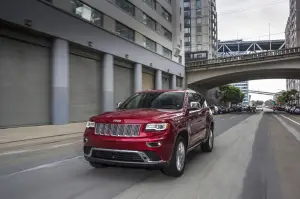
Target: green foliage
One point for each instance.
(231, 94)
(257, 103)
(287, 97)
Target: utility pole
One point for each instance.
(270, 36)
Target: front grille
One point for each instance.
(122, 130)
(117, 156)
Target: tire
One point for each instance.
(172, 169)
(208, 145)
(97, 165)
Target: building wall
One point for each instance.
(244, 87)
(85, 58)
(200, 29)
(292, 36)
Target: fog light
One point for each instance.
(85, 140)
(153, 144)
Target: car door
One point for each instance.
(193, 119)
(202, 115)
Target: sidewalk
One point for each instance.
(35, 132)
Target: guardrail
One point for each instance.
(248, 57)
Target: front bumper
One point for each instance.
(129, 158)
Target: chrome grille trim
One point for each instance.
(121, 130)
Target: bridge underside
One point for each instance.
(246, 75)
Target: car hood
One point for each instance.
(137, 115)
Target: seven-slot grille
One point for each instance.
(125, 130)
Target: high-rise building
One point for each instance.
(200, 29)
(70, 59)
(244, 87)
(292, 37)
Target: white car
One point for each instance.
(259, 108)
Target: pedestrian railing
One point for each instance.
(241, 58)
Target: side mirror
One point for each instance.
(119, 104)
(194, 105)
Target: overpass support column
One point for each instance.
(158, 80)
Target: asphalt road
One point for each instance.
(256, 156)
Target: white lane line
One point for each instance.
(232, 117)
(289, 119)
(32, 150)
(53, 164)
(289, 127)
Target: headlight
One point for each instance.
(90, 124)
(157, 126)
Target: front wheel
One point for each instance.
(178, 159)
(208, 145)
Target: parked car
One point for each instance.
(292, 109)
(214, 110)
(297, 110)
(223, 109)
(151, 129)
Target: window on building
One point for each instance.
(167, 53)
(149, 44)
(187, 30)
(187, 48)
(124, 31)
(161, 30)
(198, 29)
(145, 19)
(199, 39)
(166, 14)
(199, 20)
(187, 4)
(198, 12)
(187, 21)
(126, 6)
(198, 4)
(86, 12)
(187, 13)
(187, 39)
(151, 3)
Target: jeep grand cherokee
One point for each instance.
(151, 129)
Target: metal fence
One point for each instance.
(241, 58)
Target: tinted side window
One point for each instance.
(193, 97)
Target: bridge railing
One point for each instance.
(268, 54)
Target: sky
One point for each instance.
(252, 20)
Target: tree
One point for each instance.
(257, 102)
(287, 97)
(231, 94)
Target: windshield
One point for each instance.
(157, 100)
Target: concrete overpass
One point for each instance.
(261, 92)
(280, 64)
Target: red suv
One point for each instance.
(154, 128)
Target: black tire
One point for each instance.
(206, 146)
(171, 169)
(97, 165)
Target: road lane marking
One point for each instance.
(289, 119)
(53, 164)
(232, 117)
(33, 150)
(288, 127)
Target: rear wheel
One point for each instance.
(208, 145)
(178, 159)
(97, 165)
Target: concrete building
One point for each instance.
(200, 29)
(292, 36)
(63, 61)
(244, 87)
